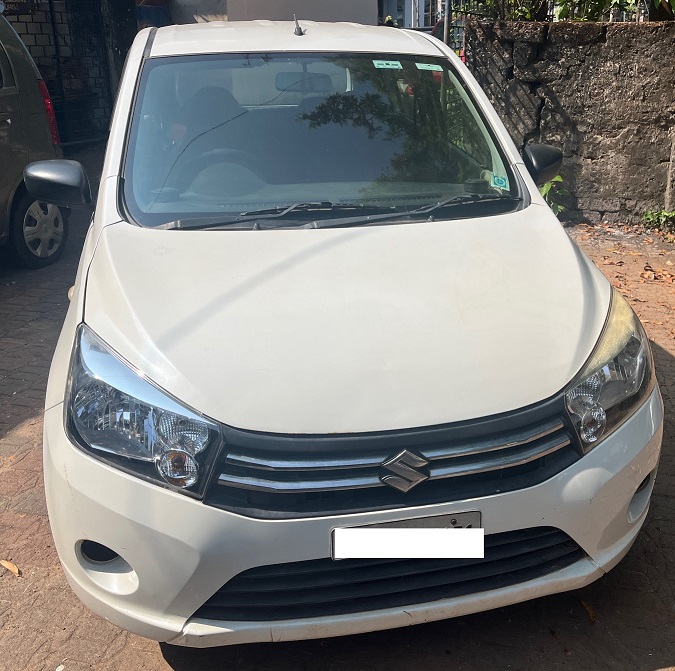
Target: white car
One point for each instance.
(321, 292)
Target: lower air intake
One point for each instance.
(325, 587)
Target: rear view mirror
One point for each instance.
(542, 162)
(304, 82)
(59, 181)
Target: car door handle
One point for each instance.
(6, 118)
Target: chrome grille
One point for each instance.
(314, 473)
(270, 475)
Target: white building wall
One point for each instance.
(414, 13)
(191, 11)
(196, 11)
(359, 11)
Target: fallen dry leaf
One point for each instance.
(589, 610)
(10, 567)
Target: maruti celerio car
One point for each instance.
(321, 292)
(35, 231)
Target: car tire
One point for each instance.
(38, 232)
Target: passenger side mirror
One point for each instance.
(58, 181)
(542, 162)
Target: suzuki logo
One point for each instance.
(405, 466)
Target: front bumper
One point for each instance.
(176, 552)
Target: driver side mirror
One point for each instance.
(58, 181)
(542, 162)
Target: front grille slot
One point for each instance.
(325, 587)
(276, 476)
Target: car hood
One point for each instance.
(351, 330)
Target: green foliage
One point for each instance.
(554, 194)
(660, 220)
(591, 10)
(573, 10)
(514, 10)
(437, 143)
(663, 10)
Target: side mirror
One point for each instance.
(542, 162)
(58, 181)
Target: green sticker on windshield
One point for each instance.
(388, 65)
(429, 66)
(500, 182)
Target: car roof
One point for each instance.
(274, 36)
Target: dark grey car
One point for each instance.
(35, 231)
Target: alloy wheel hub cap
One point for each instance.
(43, 229)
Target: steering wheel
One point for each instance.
(187, 170)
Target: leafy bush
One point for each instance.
(660, 220)
(554, 194)
(511, 10)
(591, 10)
(543, 10)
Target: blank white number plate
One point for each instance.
(457, 536)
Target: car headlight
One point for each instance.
(113, 412)
(615, 380)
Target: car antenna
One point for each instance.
(298, 30)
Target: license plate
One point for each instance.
(457, 536)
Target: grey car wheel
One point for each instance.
(39, 232)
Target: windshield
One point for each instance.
(307, 136)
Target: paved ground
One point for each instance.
(624, 621)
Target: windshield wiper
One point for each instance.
(260, 215)
(283, 210)
(243, 220)
(455, 201)
(466, 200)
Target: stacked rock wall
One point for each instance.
(602, 92)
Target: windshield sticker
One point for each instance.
(499, 182)
(429, 66)
(388, 65)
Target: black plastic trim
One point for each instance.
(121, 202)
(149, 43)
(323, 587)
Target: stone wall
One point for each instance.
(603, 93)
